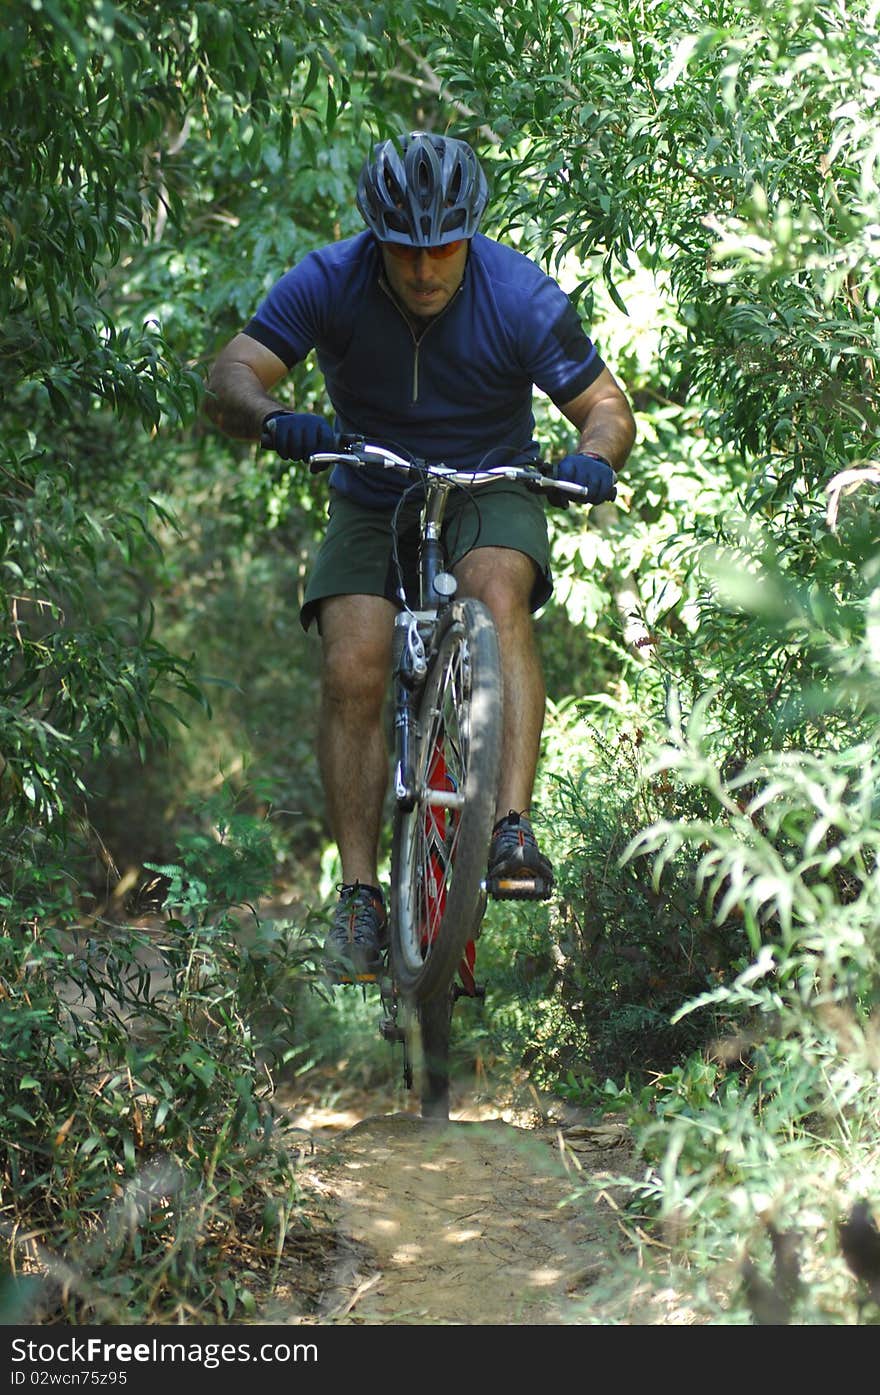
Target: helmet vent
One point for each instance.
(453, 220)
(396, 222)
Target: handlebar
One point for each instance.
(354, 450)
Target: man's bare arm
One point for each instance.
(604, 418)
(239, 387)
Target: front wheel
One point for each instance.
(441, 845)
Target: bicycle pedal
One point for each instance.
(459, 991)
(340, 979)
(519, 888)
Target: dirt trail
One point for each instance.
(466, 1222)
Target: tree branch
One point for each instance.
(430, 82)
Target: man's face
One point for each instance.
(424, 285)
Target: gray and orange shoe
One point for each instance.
(355, 946)
(518, 870)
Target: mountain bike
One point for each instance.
(447, 716)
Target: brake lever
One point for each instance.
(538, 469)
(565, 492)
(544, 470)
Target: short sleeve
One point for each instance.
(289, 320)
(556, 352)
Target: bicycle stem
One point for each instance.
(431, 560)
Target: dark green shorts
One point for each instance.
(355, 557)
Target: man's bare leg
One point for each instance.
(356, 633)
(502, 579)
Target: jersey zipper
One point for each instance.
(417, 342)
(416, 338)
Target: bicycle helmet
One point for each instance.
(422, 190)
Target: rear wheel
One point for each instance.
(429, 1030)
(440, 846)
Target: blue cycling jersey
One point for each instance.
(459, 391)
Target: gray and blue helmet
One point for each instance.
(422, 190)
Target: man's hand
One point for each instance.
(297, 435)
(591, 472)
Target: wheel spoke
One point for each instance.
(440, 828)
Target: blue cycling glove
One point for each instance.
(591, 472)
(297, 435)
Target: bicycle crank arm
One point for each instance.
(518, 888)
(391, 1031)
(444, 799)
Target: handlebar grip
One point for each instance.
(267, 442)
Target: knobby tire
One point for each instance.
(439, 854)
(434, 1019)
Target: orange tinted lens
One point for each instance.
(404, 253)
(449, 249)
(401, 251)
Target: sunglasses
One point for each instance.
(404, 253)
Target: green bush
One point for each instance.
(140, 1138)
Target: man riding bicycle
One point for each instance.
(431, 337)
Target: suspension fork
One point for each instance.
(409, 658)
(409, 667)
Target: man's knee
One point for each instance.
(355, 651)
(354, 672)
(502, 579)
